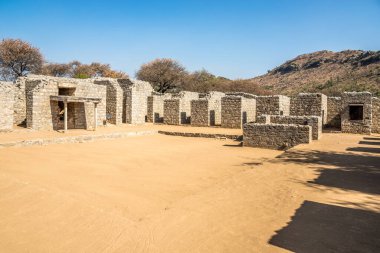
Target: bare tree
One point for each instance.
(163, 74)
(56, 69)
(18, 58)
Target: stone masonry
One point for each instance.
(361, 101)
(275, 136)
(20, 102)
(375, 115)
(237, 110)
(214, 106)
(309, 104)
(44, 114)
(185, 98)
(114, 103)
(172, 111)
(314, 122)
(136, 96)
(200, 112)
(273, 105)
(155, 105)
(6, 106)
(334, 107)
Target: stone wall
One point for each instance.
(273, 105)
(375, 115)
(241, 94)
(44, 114)
(237, 110)
(309, 104)
(200, 112)
(185, 98)
(136, 95)
(263, 119)
(172, 111)
(114, 103)
(314, 122)
(356, 126)
(275, 136)
(334, 107)
(211, 117)
(7, 91)
(155, 109)
(19, 102)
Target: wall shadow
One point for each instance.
(365, 149)
(370, 142)
(317, 228)
(351, 171)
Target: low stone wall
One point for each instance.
(375, 115)
(6, 106)
(313, 121)
(273, 105)
(263, 119)
(200, 113)
(172, 110)
(356, 126)
(275, 136)
(334, 108)
(237, 111)
(202, 135)
(156, 107)
(309, 104)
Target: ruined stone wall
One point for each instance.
(263, 119)
(185, 98)
(44, 114)
(314, 122)
(7, 91)
(19, 102)
(237, 110)
(241, 94)
(172, 110)
(200, 112)
(356, 126)
(275, 136)
(309, 104)
(375, 115)
(273, 105)
(114, 102)
(136, 94)
(334, 107)
(155, 110)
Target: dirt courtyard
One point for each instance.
(175, 194)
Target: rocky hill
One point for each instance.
(325, 71)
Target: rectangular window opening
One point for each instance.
(356, 112)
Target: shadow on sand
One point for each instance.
(317, 228)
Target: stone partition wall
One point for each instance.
(314, 122)
(19, 117)
(185, 98)
(156, 107)
(237, 110)
(114, 103)
(136, 95)
(7, 91)
(334, 107)
(172, 111)
(275, 136)
(263, 119)
(376, 115)
(309, 104)
(44, 114)
(273, 105)
(200, 112)
(356, 100)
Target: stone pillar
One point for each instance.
(65, 116)
(95, 116)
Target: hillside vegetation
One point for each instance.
(326, 72)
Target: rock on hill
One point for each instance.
(325, 71)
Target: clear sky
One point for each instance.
(235, 39)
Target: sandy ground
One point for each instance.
(21, 133)
(174, 194)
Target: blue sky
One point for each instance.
(235, 39)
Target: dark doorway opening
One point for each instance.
(356, 112)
